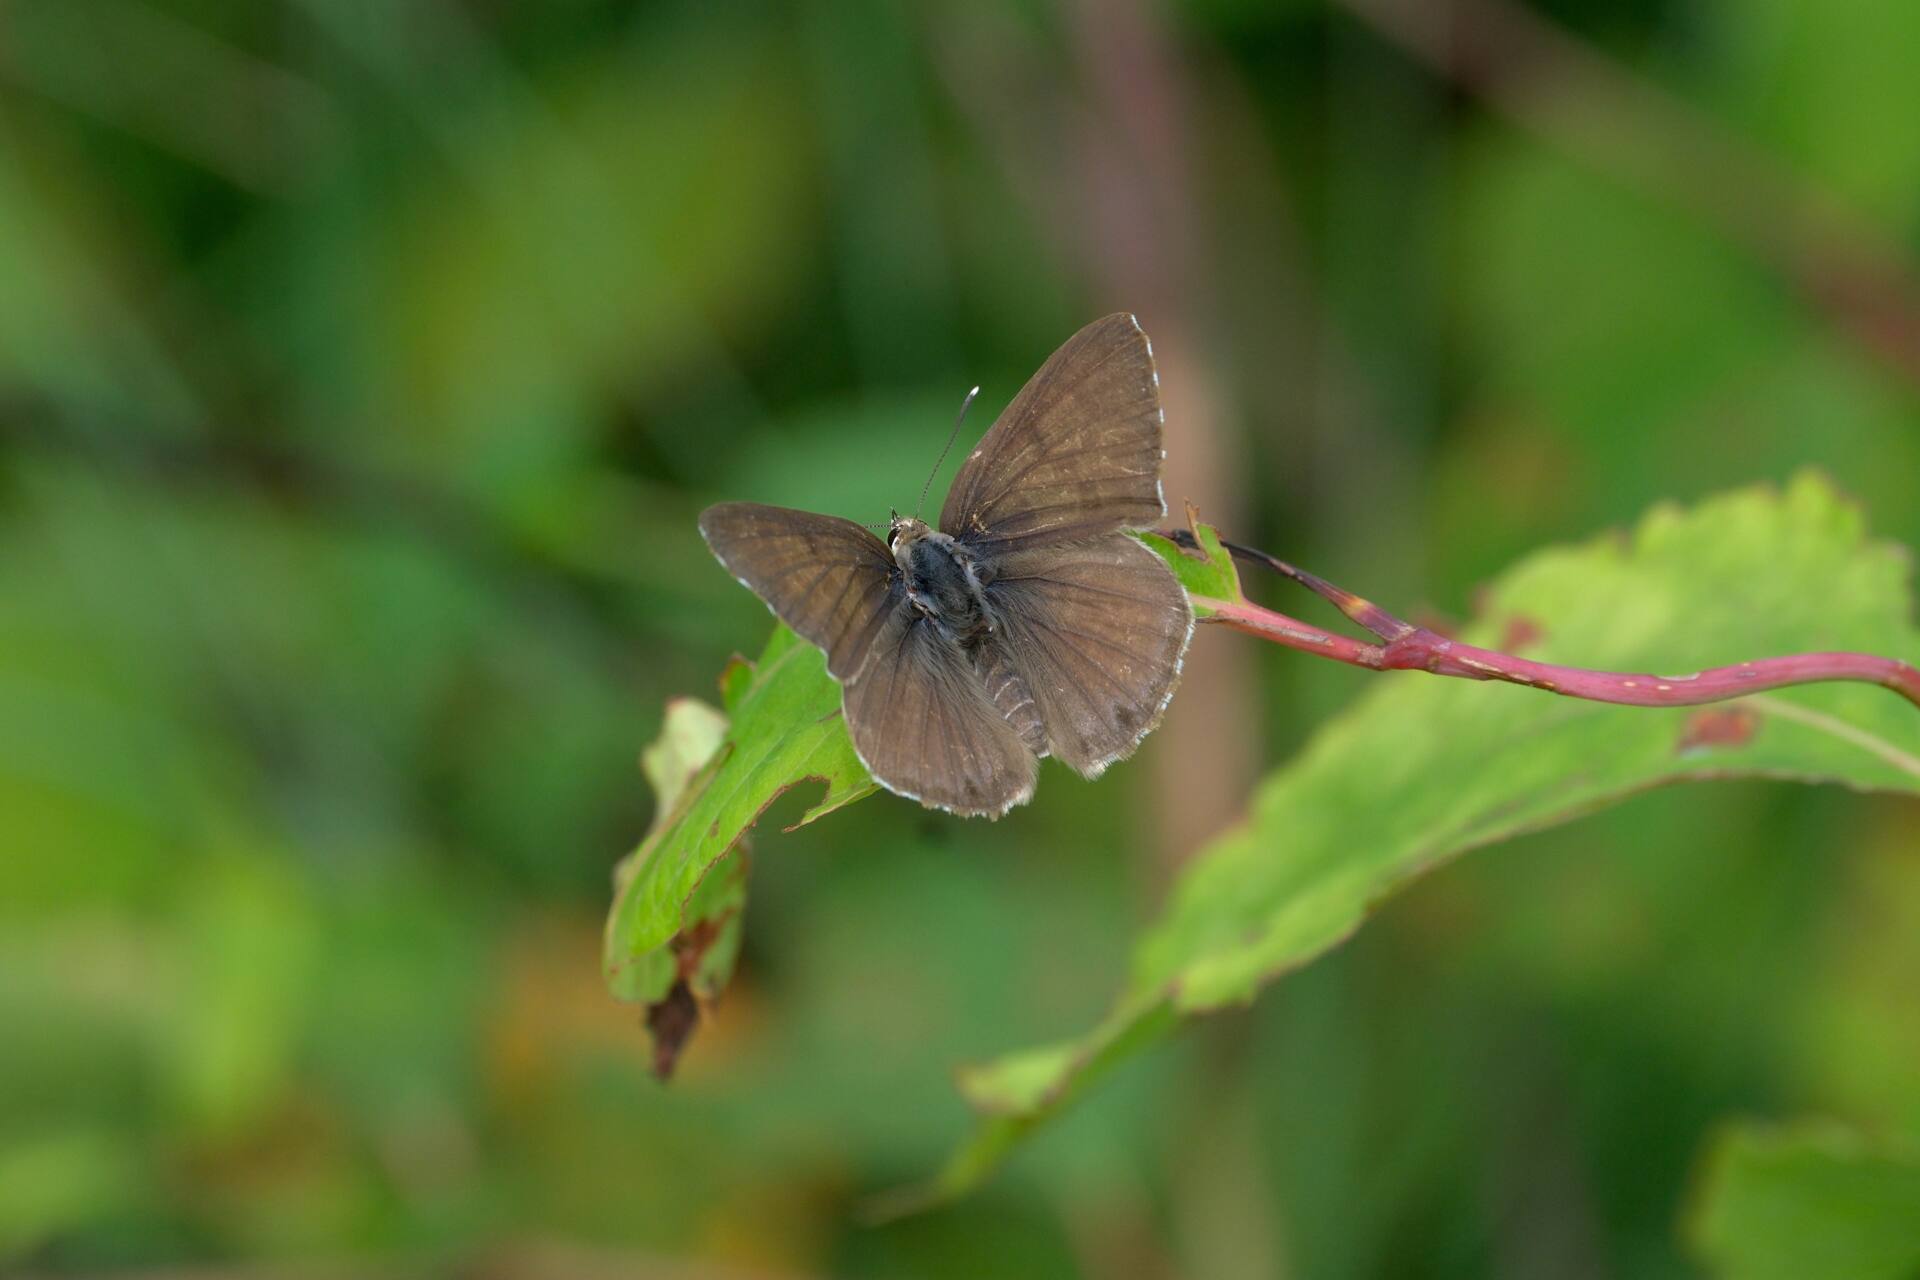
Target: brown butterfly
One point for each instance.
(1028, 623)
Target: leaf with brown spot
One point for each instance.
(680, 898)
(1710, 727)
(671, 1022)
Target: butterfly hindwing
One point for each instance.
(1097, 632)
(1075, 455)
(923, 725)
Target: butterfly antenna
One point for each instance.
(948, 448)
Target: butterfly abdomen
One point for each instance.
(1011, 697)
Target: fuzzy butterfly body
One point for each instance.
(1028, 623)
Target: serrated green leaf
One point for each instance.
(1423, 769)
(679, 896)
(1812, 1200)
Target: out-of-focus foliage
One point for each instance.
(1816, 1202)
(363, 368)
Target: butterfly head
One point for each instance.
(911, 528)
(904, 533)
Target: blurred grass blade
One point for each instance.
(1421, 770)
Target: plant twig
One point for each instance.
(1406, 647)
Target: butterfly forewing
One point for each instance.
(1097, 631)
(923, 725)
(1076, 454)
(827, 578)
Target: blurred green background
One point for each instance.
(364, 365)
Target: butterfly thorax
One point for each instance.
(943, 581)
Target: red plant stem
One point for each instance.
(1406, 647)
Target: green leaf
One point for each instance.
(675, 928)
(1423, 769)
(1812, 1200)
(1207, 573)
